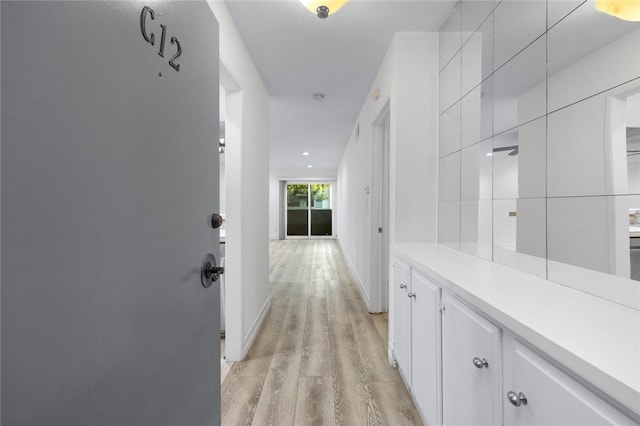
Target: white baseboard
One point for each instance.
(363, 293)
(255, 328)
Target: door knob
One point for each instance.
(517, 399)
(210, 272)
(480, 363)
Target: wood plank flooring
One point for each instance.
(320, 357)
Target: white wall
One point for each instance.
(407, 83)
(247, 172)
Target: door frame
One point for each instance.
(379, 213)
(233, 300)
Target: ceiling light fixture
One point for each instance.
(309, 166)
(323, 8)
(628, 10)
(305, 153)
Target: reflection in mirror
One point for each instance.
(505, 157)
(616, 218)
(477, 114)
(566, 104)
(475, 13)
(576, 144)
(449, 223)
(590, 52)
(516, 25)
(557, 10)
(450, 130)
(519, 223)
(476, 228)
(632, 133)
(449, 205)
(531, 238)
(605, 259)
(477, 171)
(450, 83)
(596, 248)
(449, 177)
(519, 88)
(532, 163)
(450, 36)
(593, 84)
(505, 192)
(476, 220)
(477, 56)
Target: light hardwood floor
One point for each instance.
(320, 357)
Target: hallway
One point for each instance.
(320, 357)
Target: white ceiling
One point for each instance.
(298, 54)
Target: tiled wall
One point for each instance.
(533, 168)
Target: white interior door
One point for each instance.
(109, 170)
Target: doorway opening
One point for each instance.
(309, 209)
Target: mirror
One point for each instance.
(450, 130)
(544, 111)
(449, 200)
(450, 37)
(476, 202)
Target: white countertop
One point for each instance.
(597, 339)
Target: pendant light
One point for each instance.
(324, 8)
(628, 10)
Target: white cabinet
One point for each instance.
(401, 321)
(416, 335)
(463, 368)
(425, 348)
(471, 367)
(537, 393)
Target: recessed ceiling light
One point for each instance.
(489, 154)
(305, 153)
(309, 166)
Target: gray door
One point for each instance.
(109, 169)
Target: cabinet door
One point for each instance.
(425, 349)
(471, 367)
(547, 396)
(401, 316)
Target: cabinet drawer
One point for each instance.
(547, 396)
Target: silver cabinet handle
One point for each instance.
(403, 286)
(517, 399)
(480, 363)
(411, 295)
